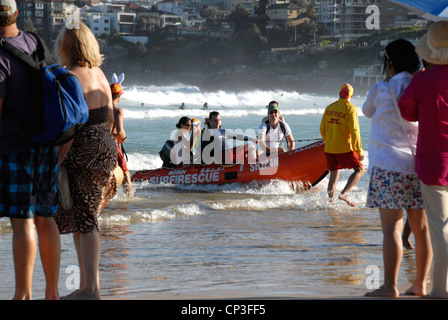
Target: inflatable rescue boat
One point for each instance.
(306, 165)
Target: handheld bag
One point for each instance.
(60, 112)
(397, 109)
(166, 150)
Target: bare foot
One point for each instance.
(70, 295)
(415, 291)
(383, 292)
(407, 244)
(345, 199)
(82, 295)
(430, 296)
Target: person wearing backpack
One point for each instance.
(272, 132)
(91, 158)
(26, 167)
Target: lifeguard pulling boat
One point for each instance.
(306, 165)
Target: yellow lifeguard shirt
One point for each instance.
(340, 128)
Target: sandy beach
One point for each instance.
(208, 243)
(330, 293)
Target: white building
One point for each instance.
(124, 22)
(345, 19)
(110, 18)
(99, 23)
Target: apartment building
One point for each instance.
(282, 11)
(346, 19)
(187, 10)
(45, 17)
(394, 15)
(99, 23)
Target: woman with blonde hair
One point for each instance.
(89, 158)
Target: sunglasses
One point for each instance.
(273, 111)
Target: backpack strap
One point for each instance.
(268, 127)
(17, 53)
(282, 127)
(34, 63)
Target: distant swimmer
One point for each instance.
(205, 106)
(182, 107)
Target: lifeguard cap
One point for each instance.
(116, 88)
(346, 91)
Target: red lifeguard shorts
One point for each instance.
(121, 160)
(348, 160)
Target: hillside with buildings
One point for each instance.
(232, 43)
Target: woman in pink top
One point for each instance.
(426, 101)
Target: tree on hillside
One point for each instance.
(210, 14)
(240, 17)
(277, 37)
(137, 50)
(304, 5)
(260, 7)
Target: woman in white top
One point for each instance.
(394, 185)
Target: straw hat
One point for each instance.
(433, 46)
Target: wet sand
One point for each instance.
(330, 293)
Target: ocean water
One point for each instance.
(247, 240)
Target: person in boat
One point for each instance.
(273, 131)
(179, 149)
(216, 137)
(266, 118)
(119, 132)
(340, 130)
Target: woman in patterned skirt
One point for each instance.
(394, 185)
(91, 156)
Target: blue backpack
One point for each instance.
(60, 108)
